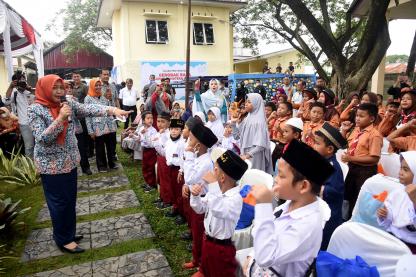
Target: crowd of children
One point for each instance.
(299, 149)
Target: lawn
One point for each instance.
(166, 231)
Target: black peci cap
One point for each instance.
(204, 135)
(232, 165)
(308, 162)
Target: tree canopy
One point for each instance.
(402, 58)
(324, 32)
(79, 27)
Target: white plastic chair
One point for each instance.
(375, 185)
(257, 177)
(378, 248)
(391, 164)
(344, 166)
(406, 267)
(242, 238)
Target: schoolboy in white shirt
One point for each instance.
(286, 242)
(222, 207)
(201, 139)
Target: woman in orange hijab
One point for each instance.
(56, 154)
(101, 129)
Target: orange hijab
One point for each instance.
(91, 90)
(43, 92)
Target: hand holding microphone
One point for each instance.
(65, 112)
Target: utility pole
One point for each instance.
(188, 55)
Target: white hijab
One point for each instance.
(410, 158)
(210, 99)
(254, 129)
(216, 127)
(201, 115)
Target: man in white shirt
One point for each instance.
(287, 241)
(297, 97)
(222, 207)
(19, 95)
(129, 97)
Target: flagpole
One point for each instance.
(188, 56)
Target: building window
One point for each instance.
(157, 32)
(203, 34)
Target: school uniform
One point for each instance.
(286, 242)
(149, 155)
(309, 129)
(186, 162)
(230, 143)
(404, 143)
(278, 139)
(159, 141)
(174, 154)
(333, 195)
(197, 168)
(366, 142)
(222, 212)
(401, 217)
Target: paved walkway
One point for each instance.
(102, 233)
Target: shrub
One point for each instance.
(9, 211)
(18, 170)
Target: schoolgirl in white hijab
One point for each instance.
(211, 98)
(398, 216)
(216, 124)
(201, 116)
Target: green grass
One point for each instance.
(166, 231)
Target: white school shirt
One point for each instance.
(129, 97)
(146, 138)
(160, 143)
(222, 210)
(400, 214)
(195, 169)
(174, 152)
(228, 143)
(186, 155)
(289, 243)
(297, 98)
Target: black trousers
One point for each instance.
(83, 150)
(105, 150)
(61, 195)
(131, 116)
(90, 144)
(357, 175)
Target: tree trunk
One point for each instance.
(410, 70)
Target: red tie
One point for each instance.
(354, 144)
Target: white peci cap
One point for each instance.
(295, 122)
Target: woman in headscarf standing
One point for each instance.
(101, 129)
(254, 134)
(211, 98)
(56, 154)
(155, 103)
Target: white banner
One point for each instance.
(175, 71)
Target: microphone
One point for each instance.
(64, 100)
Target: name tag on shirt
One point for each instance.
(175, 155)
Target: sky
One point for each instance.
(39, 13)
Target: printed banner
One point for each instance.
(175, 71)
